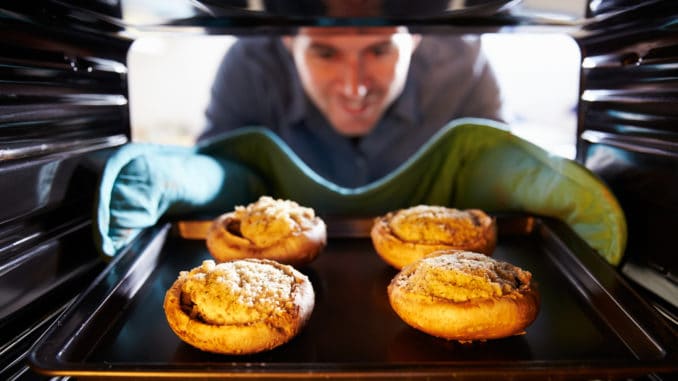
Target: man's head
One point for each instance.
(352, 74)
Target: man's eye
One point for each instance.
(381, 50)
(324, 53)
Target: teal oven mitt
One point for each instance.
(141, 183)
(469, 163)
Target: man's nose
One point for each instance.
(355, 84)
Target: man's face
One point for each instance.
(352, 74)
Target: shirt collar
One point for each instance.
(405, 106)
(298, 108)
(402, 115)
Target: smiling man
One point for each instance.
(353, 103)
(352, 75)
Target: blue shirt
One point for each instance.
(257, 85)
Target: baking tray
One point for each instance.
(591, 323)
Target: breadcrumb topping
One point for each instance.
(462, 276)
(237, 292)
(269, 220)
(435, 225)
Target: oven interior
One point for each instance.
(68, 99)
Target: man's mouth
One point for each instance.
(355, 107)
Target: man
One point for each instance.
(354, 106)
(354, 103)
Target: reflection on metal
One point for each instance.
(231, 16)
(637, 95)
(632, 143)
(652, 279)
(71, 147)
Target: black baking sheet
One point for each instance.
(590, 322)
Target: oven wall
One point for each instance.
(63, 106)
(628, 131)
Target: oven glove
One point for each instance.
(143, 182)
(471, 163)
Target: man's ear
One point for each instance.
(416, 39)
(288, 41)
